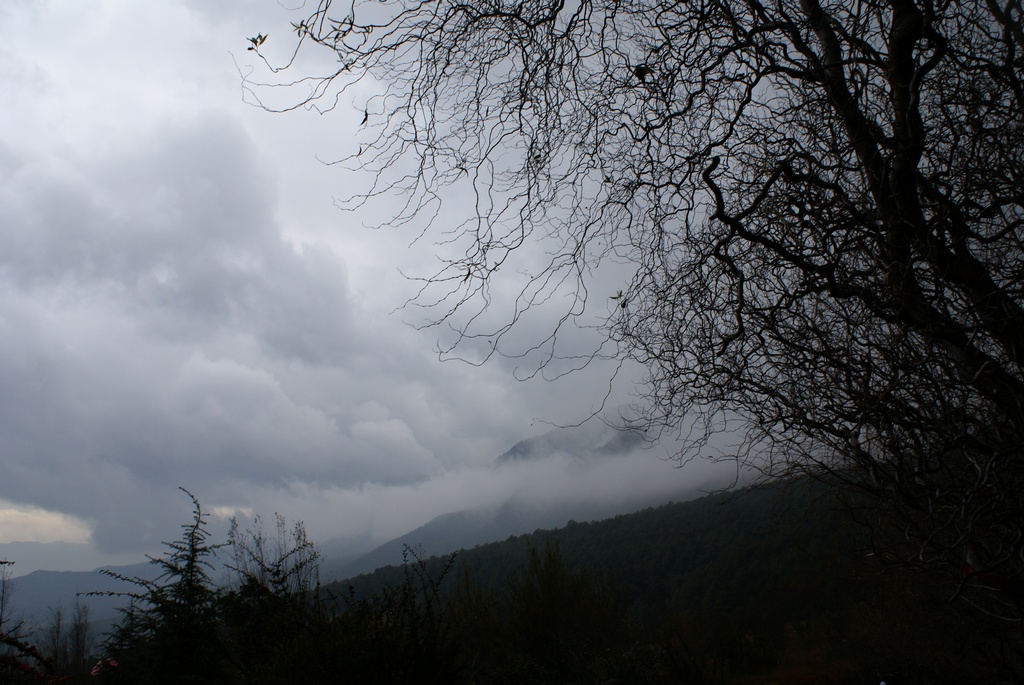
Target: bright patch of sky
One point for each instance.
(32, 524)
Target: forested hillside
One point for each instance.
(777, 581)
(767, 585)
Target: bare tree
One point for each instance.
(66, 643)
(820, 203)
(284, 562)
(55, 639)
(6, 589)
(20, 660)
(80, 638)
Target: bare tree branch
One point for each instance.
(820, 204)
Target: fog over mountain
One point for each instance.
(542, 482)
(587, 450)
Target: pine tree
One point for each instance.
(168, 632)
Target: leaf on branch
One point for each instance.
(257, 40)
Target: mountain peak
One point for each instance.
(591, 440)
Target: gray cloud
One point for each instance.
(181, 304)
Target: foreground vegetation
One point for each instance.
(748, 587)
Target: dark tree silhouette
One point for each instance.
(284, 562)
(168, 631)
(273, 617)
(820, 205)
(66, 640)
(20, 660)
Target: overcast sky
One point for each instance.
(181, 304)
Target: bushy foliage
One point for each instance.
(401, 634)
(549, 625)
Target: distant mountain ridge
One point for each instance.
(586, 441)
(35, 594)
(741, 544)
(34, 556)
(464, 529)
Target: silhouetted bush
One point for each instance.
(169, 632)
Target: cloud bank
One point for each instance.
(182, 305)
